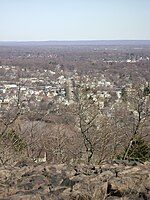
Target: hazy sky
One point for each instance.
(74, 19)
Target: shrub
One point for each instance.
(139, 150)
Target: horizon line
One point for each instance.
(75, 40)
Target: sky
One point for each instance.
(42, 20)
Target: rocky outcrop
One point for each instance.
(116, 180)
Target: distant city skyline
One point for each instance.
(61, 20)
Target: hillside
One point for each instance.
(116, 180)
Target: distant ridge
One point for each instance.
(76, 43)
